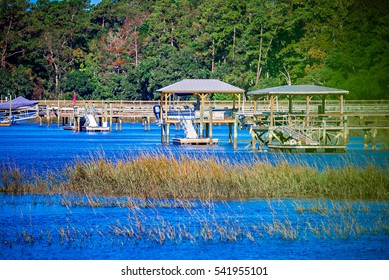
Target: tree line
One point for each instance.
(127, 49)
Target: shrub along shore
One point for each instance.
(163, 176)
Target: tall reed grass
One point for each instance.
(165, 176)
(203, 222)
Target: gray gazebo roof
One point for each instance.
(195, 86)
(298, 90)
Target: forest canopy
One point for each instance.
(123, 49)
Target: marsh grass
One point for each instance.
(156, 222)
(192, 190)
(165, 176)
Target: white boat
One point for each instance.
(17, 110)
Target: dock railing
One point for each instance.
(132, 108)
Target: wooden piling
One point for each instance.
(253, 140)
(163, 136)
(345, 130)
(105, 119)
(210, 125)
(374, 139)
(365, 139)
(324, 126)
(47, 116)
(236, 131)
(168, 133)
(58, 114)
(110, 116)
(201, 134)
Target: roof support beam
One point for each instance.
(202, 96)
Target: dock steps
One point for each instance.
(189, 129)
(296, 134)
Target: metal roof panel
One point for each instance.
(200, 86)
(298, 90)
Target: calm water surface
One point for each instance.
(44, 227)
(30, 146)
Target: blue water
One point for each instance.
(32, 147)
(41, 227)
(54, 227)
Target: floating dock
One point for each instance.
(196, 141)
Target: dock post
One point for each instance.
(210, 125)
(148, 123)
(10, 106)
(236, 131)
(105, 119)
(253, 140)
(345, 133)
(40, 121)
(47, 116)
(307, 119)
(117, 124)
(58, 114)
(365, 139)
(121, 124)
(144, 123)
(201, 134)
(73, 119)
(163, 133)
(110, 116)
(324, 141)
(78, 124)
(374, 140)
(168, 133)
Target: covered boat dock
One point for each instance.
(309, 129)
(200, 117)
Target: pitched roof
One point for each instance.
(298, 90)
(192, 86)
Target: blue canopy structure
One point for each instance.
(17, 103)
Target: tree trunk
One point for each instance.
(57, 78)
(213, 55)
(172, 36)
(259, 66)
(136, 49)
(233, 43)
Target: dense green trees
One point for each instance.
(126, 49)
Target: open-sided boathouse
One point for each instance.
(309, 129)
(188, 118)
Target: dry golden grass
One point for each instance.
(164, 176)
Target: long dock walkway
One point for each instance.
(368, 117)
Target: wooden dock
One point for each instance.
(314, 127)
(269, 121)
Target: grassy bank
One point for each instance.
(163, 176)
